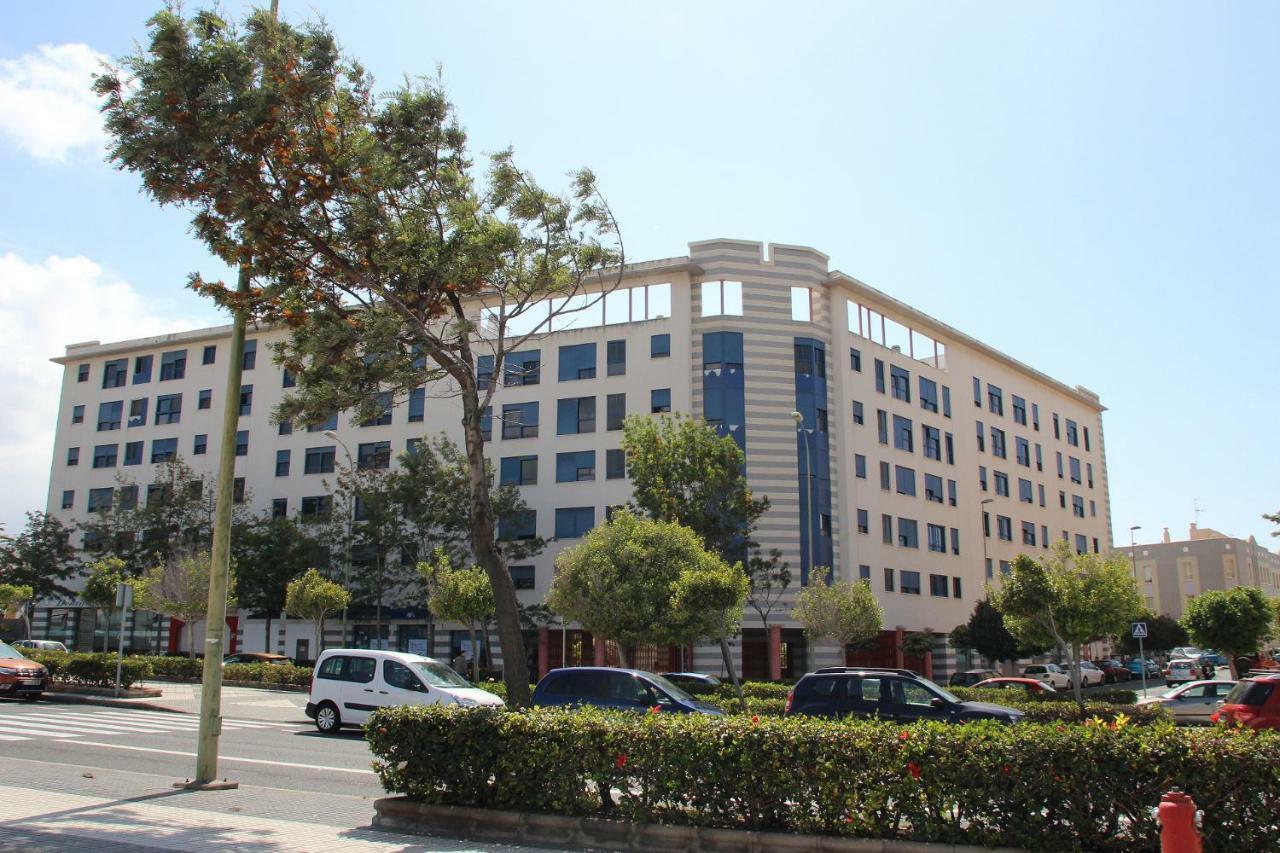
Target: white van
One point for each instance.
(350, 684)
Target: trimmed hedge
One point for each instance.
(1042, 787)
(95, 669)
(1001, 695)
(99, 669)
(268, 673)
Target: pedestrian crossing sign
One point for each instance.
(1139, 630)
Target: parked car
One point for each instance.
(1182, 671)
(697, 679)
(1137, 665)
(970, 677)
(256, 657)
(895, 694)
(1193, 702)
(350, 684)
(1254, 703)
(20, 676)
(1186, 652)
(1215, 657)
(40, 645)
(616, 689)
(1090, 675)
(1113, 670)
(1050, 673)
(1030, 686)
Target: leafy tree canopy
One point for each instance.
(40, 557)
(314, 597)
(102, 580)
(1163, 633)
(846, 611)
(1235, 621)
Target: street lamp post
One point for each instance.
(1133, 550)
(351, 525)
(807, 520)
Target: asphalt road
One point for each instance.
(253, 752)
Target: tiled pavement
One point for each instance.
(248, 703)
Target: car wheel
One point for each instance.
(31, 697)
(327, 720)
(1070, 686)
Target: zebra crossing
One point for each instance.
(20, 723)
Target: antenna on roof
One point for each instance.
(1195, 503)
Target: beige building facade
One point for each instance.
(923, 460)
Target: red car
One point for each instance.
(1029, 685)
(1254, 703)
(1113, 670)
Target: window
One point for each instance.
(109, 415)
(938, 585)
(250, 359)
(279, 507)
(246, 399)
(615, 464)
(721, 298)
(997, 443)
(937, 538)
(981, 437)
(1073, 465)
(932, 442)
(1028, 533)
(990, 574)
(1057, 433)
(133, 453)
(104, 455)
(859, 466)
(1044, 536)
(1040, 489)
(857, 413)
(318, 460)
(575, 466)
(173, 365)
(801, 307)
(77, 414)
(574, 522)
(1039, 457)
(576, 415)
(933, 488)
(900, 383)
(864, 573)
(1077, 506)
(518, 470)
(115, 373)
(1024, 491)
(518, 525)
(946, 401)
(142, 369)
(287, 379)
(373, 456)
(522, 368)
(417, 405)
(879, 376)
(100, 499)
(977, 392)
(68, 499)
(886, 529)
(1019, 410)
(908, 533)
(484, 372)
(210, 354)
(285, 428)
(577, 362)
(1062, 499)
(955, 545)
(1005, 568)
(882, 425)
(242, 442)
(1086, 438)
(951, 449)
(521, 577)
(1089, 474)
(138, 412)
(82, 373)
(168, 409)
(383, 418)
(282, 463)
(982, 477)
(1035, 416)
(888, 580)
(1073, 437)
(995, 399)
(237, 490)
(200, 444)
(1058, 454)
(163, 449)
(864, 521)
(1022, 450)
(204, 399)
(1004, 527)
(903, 438)
(660, 346)
(820, 418)
(1002, 483)
(928, 394)
(951, 492)
(318, 505)
(810, 358)
(906, 480)
(615, 410)
(855, 360)
(1082, 543)
(659, 400)
(615, 358)
(520, 420)
(910, 583)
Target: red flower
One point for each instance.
(621, 761)
(1005, 770)
(655, 709)
(914, 769)
(382, 730)
(755, 720)
(904, 736)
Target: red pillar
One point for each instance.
(899, 661)
(775, 652)
(233, 623)
(544, 643)
(928, 665)
(597, 649)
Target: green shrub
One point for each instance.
(179, 668)
(1001, 696)
(1091, 787)
(268, 673)
(92, 668)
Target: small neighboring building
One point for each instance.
(1171, 573)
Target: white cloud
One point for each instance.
(44, 307)
(46, 106)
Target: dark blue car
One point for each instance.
(616, 689)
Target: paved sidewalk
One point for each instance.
(244, 703)
(55, 807)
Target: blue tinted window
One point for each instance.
(104, 455)
(210, 353)
(173, 365)
(522, 368)
(615, 358)
(520, 420)
(933, 488)
(659, 346)
(902, 434)
(282, 463)
(250, 359)
(168, 409)
(575, 415)
(659, 400)
(133, 453)
(100, 499)
(932, 442)
(115, 373)
(521, 524)
(246, 399)
(373, 456)
(204, 399)
(615, 464)
(522, 577)
(928, 394)
(577, 362)
(109, 415)
(860, 466)
(163, 449)
(417, 405)
(574, 522)
(900, 381)
(142, 369)
(575, 466)
(910, 583)
(138, 412)
(906, 479)
(200, 444)
(519, 470)
(484, 371)
(908, 533)
(242, 442)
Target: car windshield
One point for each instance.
(671, 690)
(439, 675)
(8, 651)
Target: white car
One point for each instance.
(1187, 652)
(40, 645)
(1182, 671)
(1091, 675)
(350, 684)
(1050, 673)
(1193, 702)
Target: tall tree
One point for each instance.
(17, 597)
(460, 594)
(846, 612)
(768, 577)
(989, 637)
(1067, 599)
(363, 220)
(101, 581)
(269, 552)
(41, 557)
(315, 598)
(1235, 621)
(1163, 633)
(178, 588)
(711, 594)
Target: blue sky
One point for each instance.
(1091, 188)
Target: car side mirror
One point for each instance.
(937, 702)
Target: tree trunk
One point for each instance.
(515, 668)
(266, 634)
(733, 673)
(475, 654)
(320, 635)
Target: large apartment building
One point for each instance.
(1170, 573)
(892, 447)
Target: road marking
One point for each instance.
(81, 725)
(38, 731)
(227, 758)
(155, 719)
(13, 737)
(102, 720)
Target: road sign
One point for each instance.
(1139, 630)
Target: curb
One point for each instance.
(105, 701)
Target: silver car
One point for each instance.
(1193, 702)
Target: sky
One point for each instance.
(1091, 188)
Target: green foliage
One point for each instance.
(15, 596)
(768, 578)
(917, 643)
(103, 578)
(40, 557)
(1163, 633)
(99, 670)
(846, 612)
(983, 784)
(285, 675)
(314, 597)
(92, 669)
(176, 668)
(989, 637)
(1235, 621)
(179, 588)
(270, 552)
(460, 594)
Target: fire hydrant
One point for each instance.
(1177, 816)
